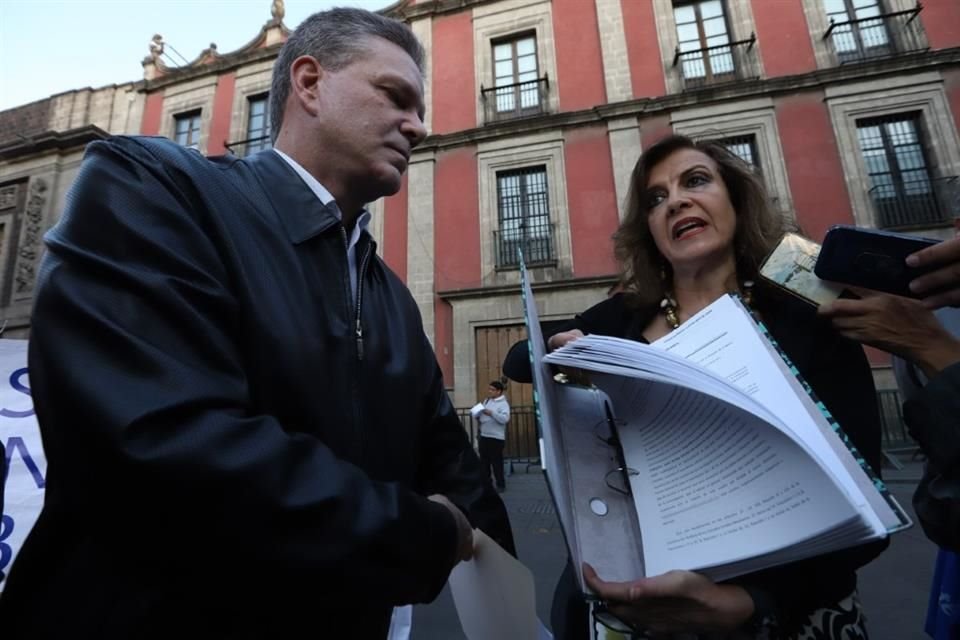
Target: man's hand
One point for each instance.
(901, 326)
(558, 340)
(675, 602)
(464, 530)
(941, 287)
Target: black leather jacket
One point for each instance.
(236, 447)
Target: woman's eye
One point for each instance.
(655, 199)
(697, 179)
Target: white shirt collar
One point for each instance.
(363, 220)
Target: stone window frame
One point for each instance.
(265, 98)
(524, 205)
(250, 83)
(923, 94)
(754, 117)
(817, 24)
(740, 23)
(11, 220)
(521, 152)
(500, 21)
(191, 96)
(189, 117)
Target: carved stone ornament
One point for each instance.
(8, 197)
(30, 239)
(277, 10)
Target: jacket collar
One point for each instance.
(300, 211)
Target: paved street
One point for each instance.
(893, 588)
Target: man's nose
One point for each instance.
(414, 130)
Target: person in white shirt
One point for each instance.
(493, 432)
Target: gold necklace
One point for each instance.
(670, 310)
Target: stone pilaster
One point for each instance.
(624, 150)
(420, 269)
(613, 48)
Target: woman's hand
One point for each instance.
(675, 602)
(558, 340)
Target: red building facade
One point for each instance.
(538, 109)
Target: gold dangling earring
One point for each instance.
(748, 292)
(668, 306)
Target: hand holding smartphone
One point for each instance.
(789, 267)
(870, 258)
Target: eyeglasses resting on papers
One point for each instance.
(618, 478)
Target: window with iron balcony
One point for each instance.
(518, 88)
(903, 187)
(706, 53)
(523, 210)
(861, 30)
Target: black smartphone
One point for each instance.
(870, 258)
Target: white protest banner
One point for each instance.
(26, 465)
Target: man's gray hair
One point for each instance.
(335, 38)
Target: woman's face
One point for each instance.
(689, 211)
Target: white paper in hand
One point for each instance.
(476, 410)
(494, 594)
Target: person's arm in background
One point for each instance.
(501, 413)
(907, 328)
(932, 415)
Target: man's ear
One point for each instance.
(305, 76)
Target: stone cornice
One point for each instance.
(403, 11)
(512, 289)
(217, 65)
(59, 140)
(869, 70)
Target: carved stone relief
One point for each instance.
(8, 196)
(30, 238)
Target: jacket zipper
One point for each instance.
(360, 272)
(358, 331)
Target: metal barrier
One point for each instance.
(720, 63)
(515, 100)
(893, 431)
(915, 203)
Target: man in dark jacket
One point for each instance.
(247, 431)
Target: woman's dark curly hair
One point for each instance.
(758, 230)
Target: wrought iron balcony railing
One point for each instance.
(717, 64)
(244, 148)
(516, 100)
(917, 203)
(879, 36)
(536, 241)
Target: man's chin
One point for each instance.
(388, 182)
